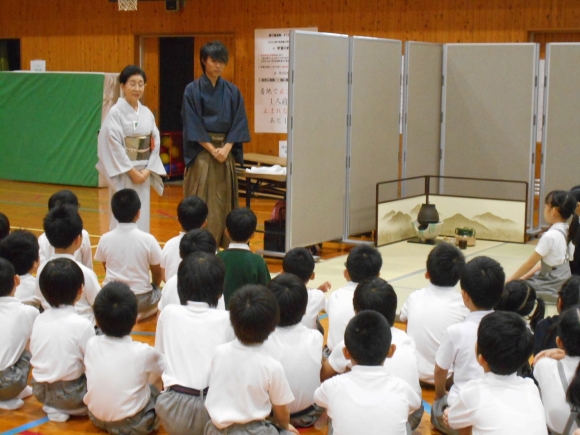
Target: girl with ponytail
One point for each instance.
(520, 297)
(548, 267)
(558, 375)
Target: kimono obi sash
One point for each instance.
(218, 140)
(138, 148)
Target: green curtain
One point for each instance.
(48, 127)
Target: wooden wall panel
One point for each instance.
(92, 35)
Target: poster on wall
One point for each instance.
(272, 59)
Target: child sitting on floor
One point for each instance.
(188, 334)
(363, 262)
(58, 342)
(118, 369)
(192, 215)
(83, 254)
(500, 402)
(63, 227)
(247, 384)
(21, 248)
(194, 241)
(445, 263)
(242, 265)
(16, 320)
(368, 400)
(4, 225)
(482, 282)
(128, 254)
(297, 347)
(299, 261)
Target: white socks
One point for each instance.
(17, 402)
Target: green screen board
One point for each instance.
(48, 127)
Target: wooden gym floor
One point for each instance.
(25, 204)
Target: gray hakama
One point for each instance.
(208, 109)
(114, 163)
(14, 378)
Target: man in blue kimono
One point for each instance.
(215, 127)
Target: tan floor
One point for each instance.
(403, 265)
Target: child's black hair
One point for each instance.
(125, 205)
(200, 240)
(254, 313)
(130, 71)
(566, 204)
(4, 225)
(60, 281)
(378, 295)
(7, 274)
(216, 50)
(62, 225)
(445, 263)
(63, 197)
(292, 297)
(483, 279)
(569, 333)
(21, 249)
(569, 293)
(363, 262)
(300, 262)
(519, 297)
(192, 213)
(368, 338)
(115, 309)
(504, 341)
(241, 224)
(200, 278)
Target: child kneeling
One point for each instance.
(246, 383)
(119, 397)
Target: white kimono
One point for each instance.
(123, 121)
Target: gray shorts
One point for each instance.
(437, 417)
(144, 422)
(307, 417)
(13, 379)
(260, 427)
(182, 414)
(62, 395)
(148, 301)
(415, 418)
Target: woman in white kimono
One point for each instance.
(129, 146)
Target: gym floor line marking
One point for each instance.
(426, 406)
(26, 426)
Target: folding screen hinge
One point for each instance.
(543, 120)
(405, 118)
(536, 82)
(290, 168)
(407, 79)
(291, 122)
(292, 76)
(443, 80)
(545, 81)
(350, 78)
(347, 162)
(534, 120)
(533, 159)
(441, 122)
(348, 120)
(440, 153)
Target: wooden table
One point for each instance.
(274, 183)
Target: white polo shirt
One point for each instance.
(188, 335)
(16, 320)
(169, 296)
(170, 257)
(316, 303)
(244, 383)
(91, 289)
(25, 292)
(552, 391)
(428, 312)
(403, 363)
(83, 255)
(367, 401)
(340, 311)
(299, 350)
(499, 405)
(118, 371)
(553, 244)
(457, 351)
(58, 344)
(128, 253)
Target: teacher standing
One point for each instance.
(215, 127)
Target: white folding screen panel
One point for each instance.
(489, 106)
(561, 131)
(373, 134)
(318, 99)
(422, 109)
